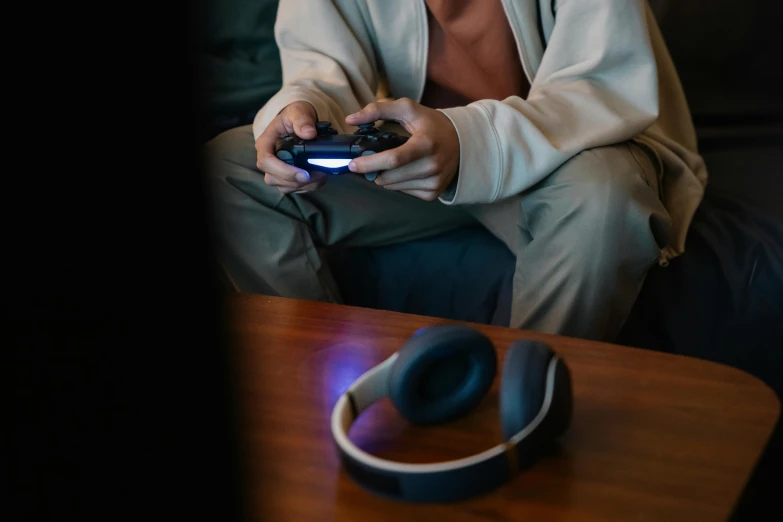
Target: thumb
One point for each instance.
(402, 110)
(300, 118)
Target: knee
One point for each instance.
(605, 193)
(234, 147)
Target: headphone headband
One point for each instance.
(435, 482)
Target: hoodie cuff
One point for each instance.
(480, 162)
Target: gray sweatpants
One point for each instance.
(584, 237)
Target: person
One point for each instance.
(560, 126)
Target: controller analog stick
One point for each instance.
(324, 128)
(286, 156)
(367, 129)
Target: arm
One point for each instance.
(596, 85)
(327, 60)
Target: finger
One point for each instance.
(299, 118)
(274, 181)
(311, 186)
(317, 179)
(431, 183)
(403, 110)
(265, 144)
(419, 169)
(268, 163)
(426, 195)
(307, 188)
(410, 151)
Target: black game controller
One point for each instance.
(331, 152)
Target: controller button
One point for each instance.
(285, 155)
(324, 127)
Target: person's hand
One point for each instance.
(422, 167)
(297, 118)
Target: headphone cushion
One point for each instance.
(442, 373)
(523, 385)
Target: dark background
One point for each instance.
(117, 397)
(121, 399)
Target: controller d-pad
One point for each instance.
(286, 156)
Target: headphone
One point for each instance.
(440, 374)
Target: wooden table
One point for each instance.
(654, 436)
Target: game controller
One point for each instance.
(331, 152)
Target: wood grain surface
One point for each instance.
(654, 436)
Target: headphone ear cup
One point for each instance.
(523, 385)
(442, 373)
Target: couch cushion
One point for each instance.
(727, 56)
(723, 299)
(238, 59)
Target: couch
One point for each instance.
(722, 300)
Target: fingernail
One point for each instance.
(308, 128)
(352, 166)
(302, 176)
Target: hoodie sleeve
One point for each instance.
(327, 60)
(596, 85)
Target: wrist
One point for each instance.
(451, 188)
(301, 105)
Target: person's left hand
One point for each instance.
(424, 165)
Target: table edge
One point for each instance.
(239, 298)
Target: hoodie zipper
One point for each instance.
(425, 49)
(522, 57)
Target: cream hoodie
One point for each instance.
(599, 71)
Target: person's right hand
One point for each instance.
(297, 118)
